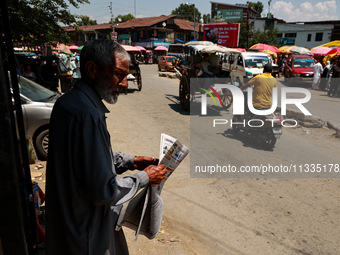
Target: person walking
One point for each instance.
(325, 76)
(82, 170)
(333, 88)
(317, 74)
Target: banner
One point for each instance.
(222, 34)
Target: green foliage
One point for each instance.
(37, 22)
(269, 36)
(186, 11)
(206, 18)
(85, 21)
(258, 6)
(122, 18)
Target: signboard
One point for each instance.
(161, 43)
(114, 36)
(123, 37)
(227, 14)
(222, 34)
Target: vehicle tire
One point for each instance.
(41, 143)
(184, 93)
(227, 99)
(267, 139)
(236, 129)
(139, 82)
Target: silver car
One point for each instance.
(37, 103)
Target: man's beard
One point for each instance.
(106, 94)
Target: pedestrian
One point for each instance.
(333, 89)
(205, 67)
(325, 76)
(75, 67)
(28, 73)
(82, 182)
(317, 74)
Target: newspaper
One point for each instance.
(144, 212)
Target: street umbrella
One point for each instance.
(80, 47)
(141, 48)
(130, 48)
(287, 49)
(301, 51)
(262, 46)
(331, 54)
(62, 48)
(73, 47)
(161, 48)
(330, 44)
(320, 51)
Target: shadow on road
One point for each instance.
(243, 137)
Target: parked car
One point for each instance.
(165, 63)
(37, 103)
(299, 68)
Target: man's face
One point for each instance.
(112, 80)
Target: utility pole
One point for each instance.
(113, 37)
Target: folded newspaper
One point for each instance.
(144, 212)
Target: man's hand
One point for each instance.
(142, 162)
(156, 173)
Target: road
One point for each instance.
(213, 214)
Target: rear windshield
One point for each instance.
(303, 62)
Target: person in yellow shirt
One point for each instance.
(263, 88)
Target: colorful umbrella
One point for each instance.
(320, 51)
(161, 48)
(330, 44)
(331, 54)
(301, 50)
(80, 47)
(73, 47)
(286, 49)
(130, 48)
(141, 48)
(262, 46)
(62, 47)
(273, 54)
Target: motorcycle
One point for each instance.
(264, 129)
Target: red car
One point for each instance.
(300, 68)
(165, 63)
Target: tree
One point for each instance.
(186, 11)
(37, 22)
(246, 34)
(85, 21)
(122, 18)
(206, 18)
(268, 36)
(258, 6)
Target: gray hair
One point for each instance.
(102, 53)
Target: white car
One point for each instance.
(37, 103)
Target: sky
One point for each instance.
(290, 11)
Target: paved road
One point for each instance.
(222, 215)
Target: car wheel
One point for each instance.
(41, 144)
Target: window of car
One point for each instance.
(34, 91)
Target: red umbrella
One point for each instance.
(320, 50)
(161, 48)
(262, 46)
(333, 51)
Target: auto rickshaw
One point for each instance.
(148, 57)
(134, 74)
(189, 68)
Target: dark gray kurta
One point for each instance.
(81, 180)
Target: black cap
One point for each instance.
(268, 68)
